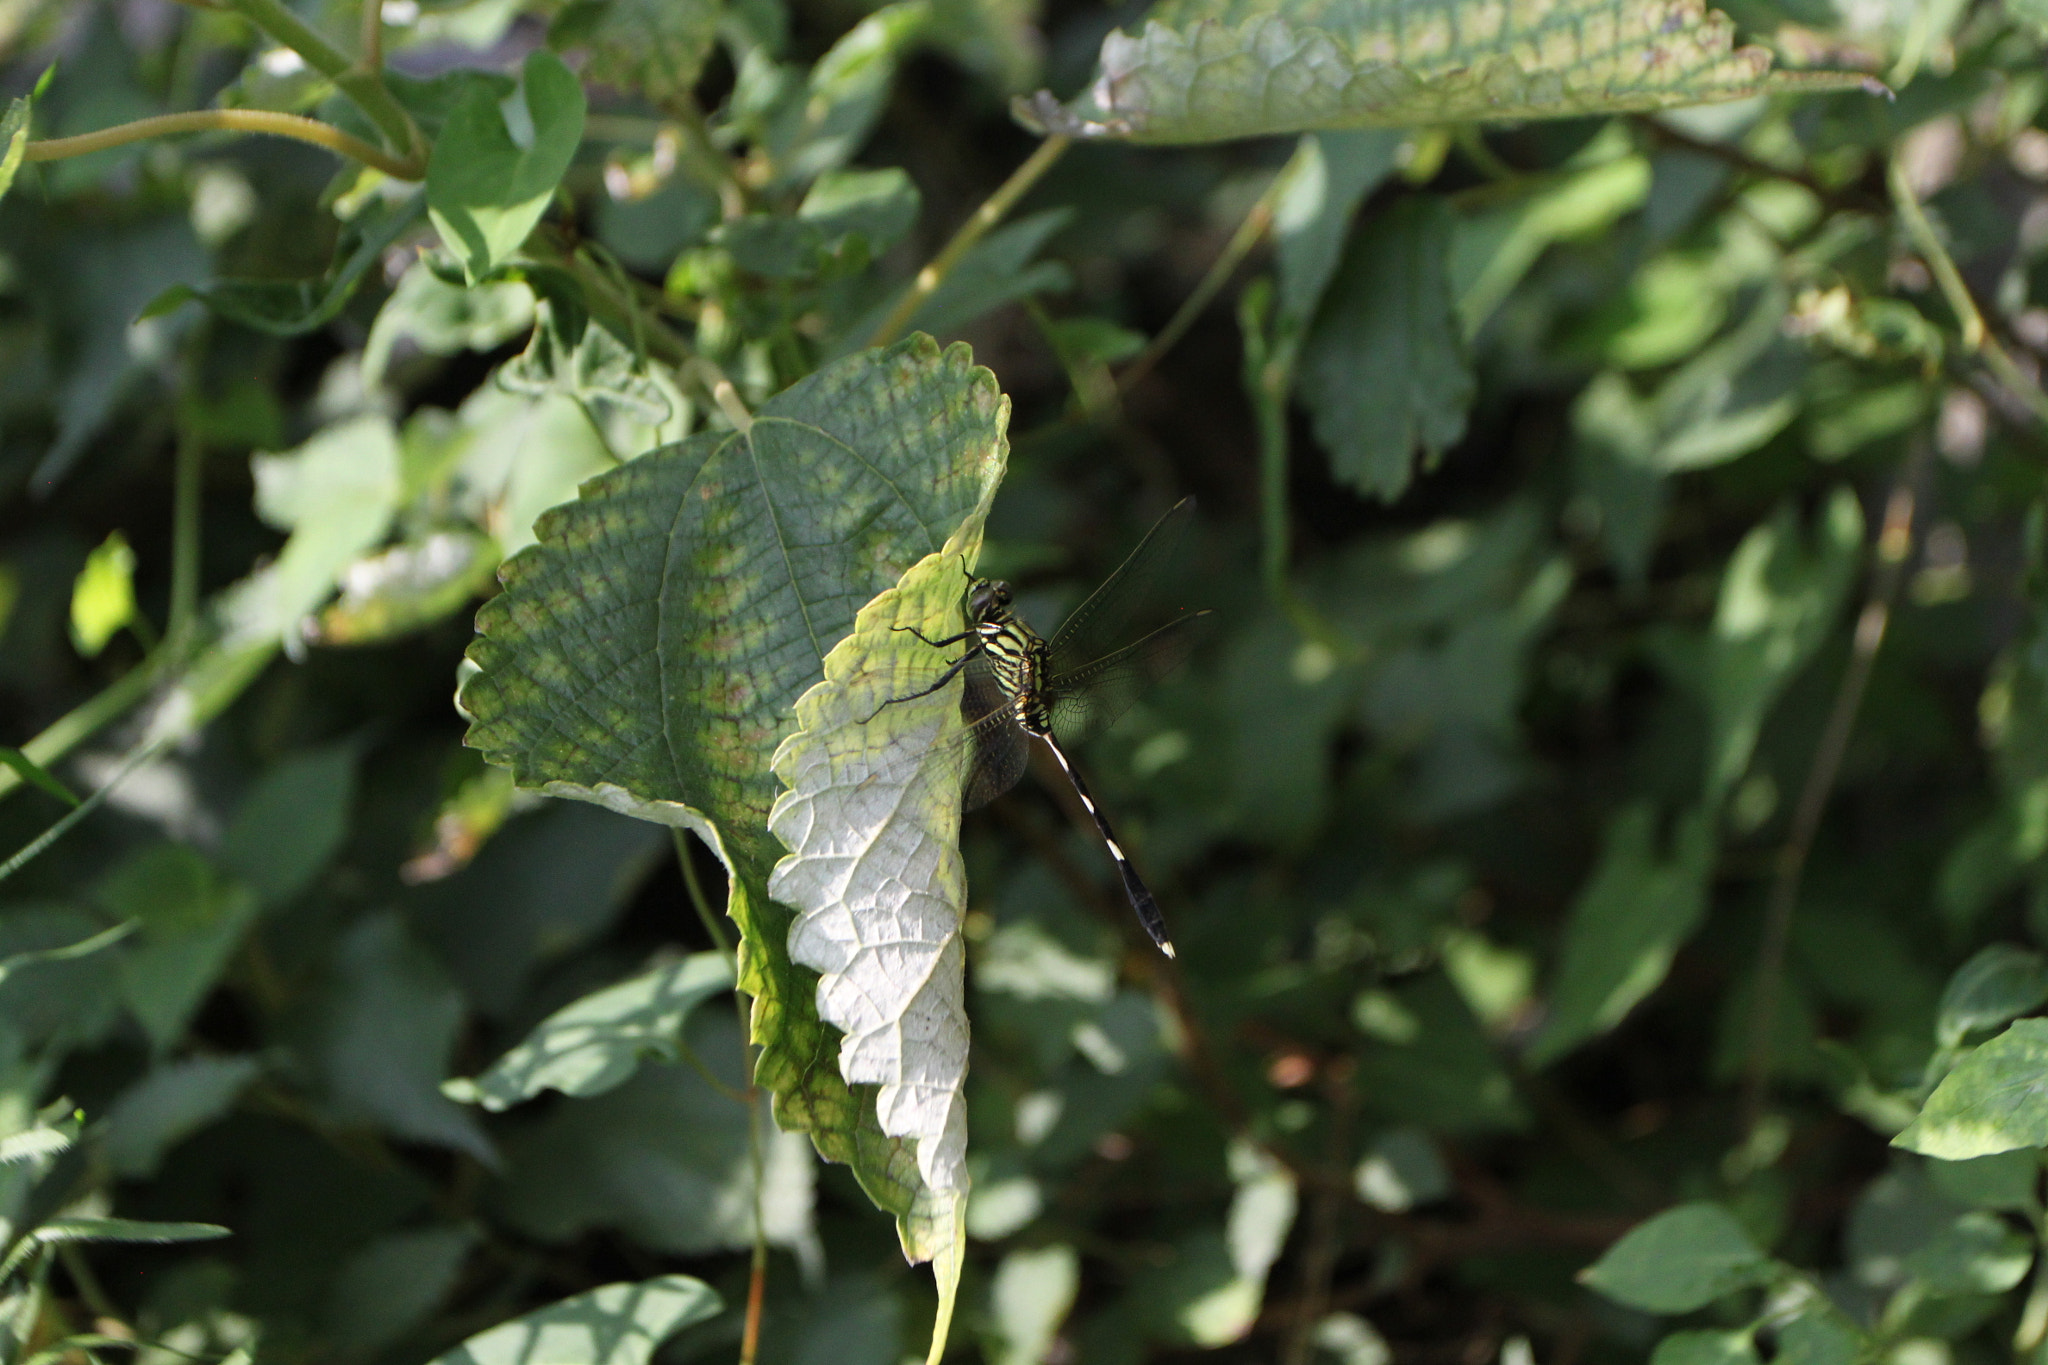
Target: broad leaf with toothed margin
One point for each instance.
(646, 654)
(1207, 70)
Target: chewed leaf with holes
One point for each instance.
(1207, 70)
(872, 819)
(646, 654)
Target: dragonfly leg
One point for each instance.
(935, 644)
(944, 678)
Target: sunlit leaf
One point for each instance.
(595, 1044)
(485, 189)
(1634, 913)
(103, 598)
(1206, 70)
(619, 1324)
(1995, 1100)
(747, 554)
(1779, 599)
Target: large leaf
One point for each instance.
(647, 652)
(1205, 70)
(874, 868)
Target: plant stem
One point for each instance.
(226, 120)
(364, 84)
(695, 886)
(1249, 232)
(29, 851)
(1977, 338)
(1894, 546)
(757, 1271)
(183, 624)
(372, 39)
(84, 721)
(992, 211)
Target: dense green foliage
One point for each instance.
(450, 576)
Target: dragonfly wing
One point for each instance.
(1001, 747)
(1102, 623)
(1089, 700)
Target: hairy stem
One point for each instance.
(232, 121)
(992, 211)
(362, 83)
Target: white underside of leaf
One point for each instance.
(874, 869)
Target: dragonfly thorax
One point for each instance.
(1015, 654)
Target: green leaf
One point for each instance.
(193, 919)
(290, 823)
(288, 308)
(103, 598)
(1329, 176)
(2003, 1180)
(383, 1036)
(1206, 70)
(129, 1230)
(654, 48)
(1494, 248)
(1635, 912)
(590, 365)
(441, 318)
(618, 1324)
(36, 775)
(1999, 983)
(1976, 1254)
(1401, 1171)
(391, 1286)
(336, 494)
(597, 1043)
(1681, 1260)
(667, 1158)
(1384, 368)
(858, 778)
(1705, 1348)
(845, 92)
(170, 1104)
(1995, 1100)
(1818, 1336)
(14, 133)
(1031, 1294)
(486, 188)
(746, 556)
(409, 587)
(1779, 599)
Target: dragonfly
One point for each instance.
(1021, 686)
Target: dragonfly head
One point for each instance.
(985, 597)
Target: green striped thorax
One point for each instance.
(1014, 651)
